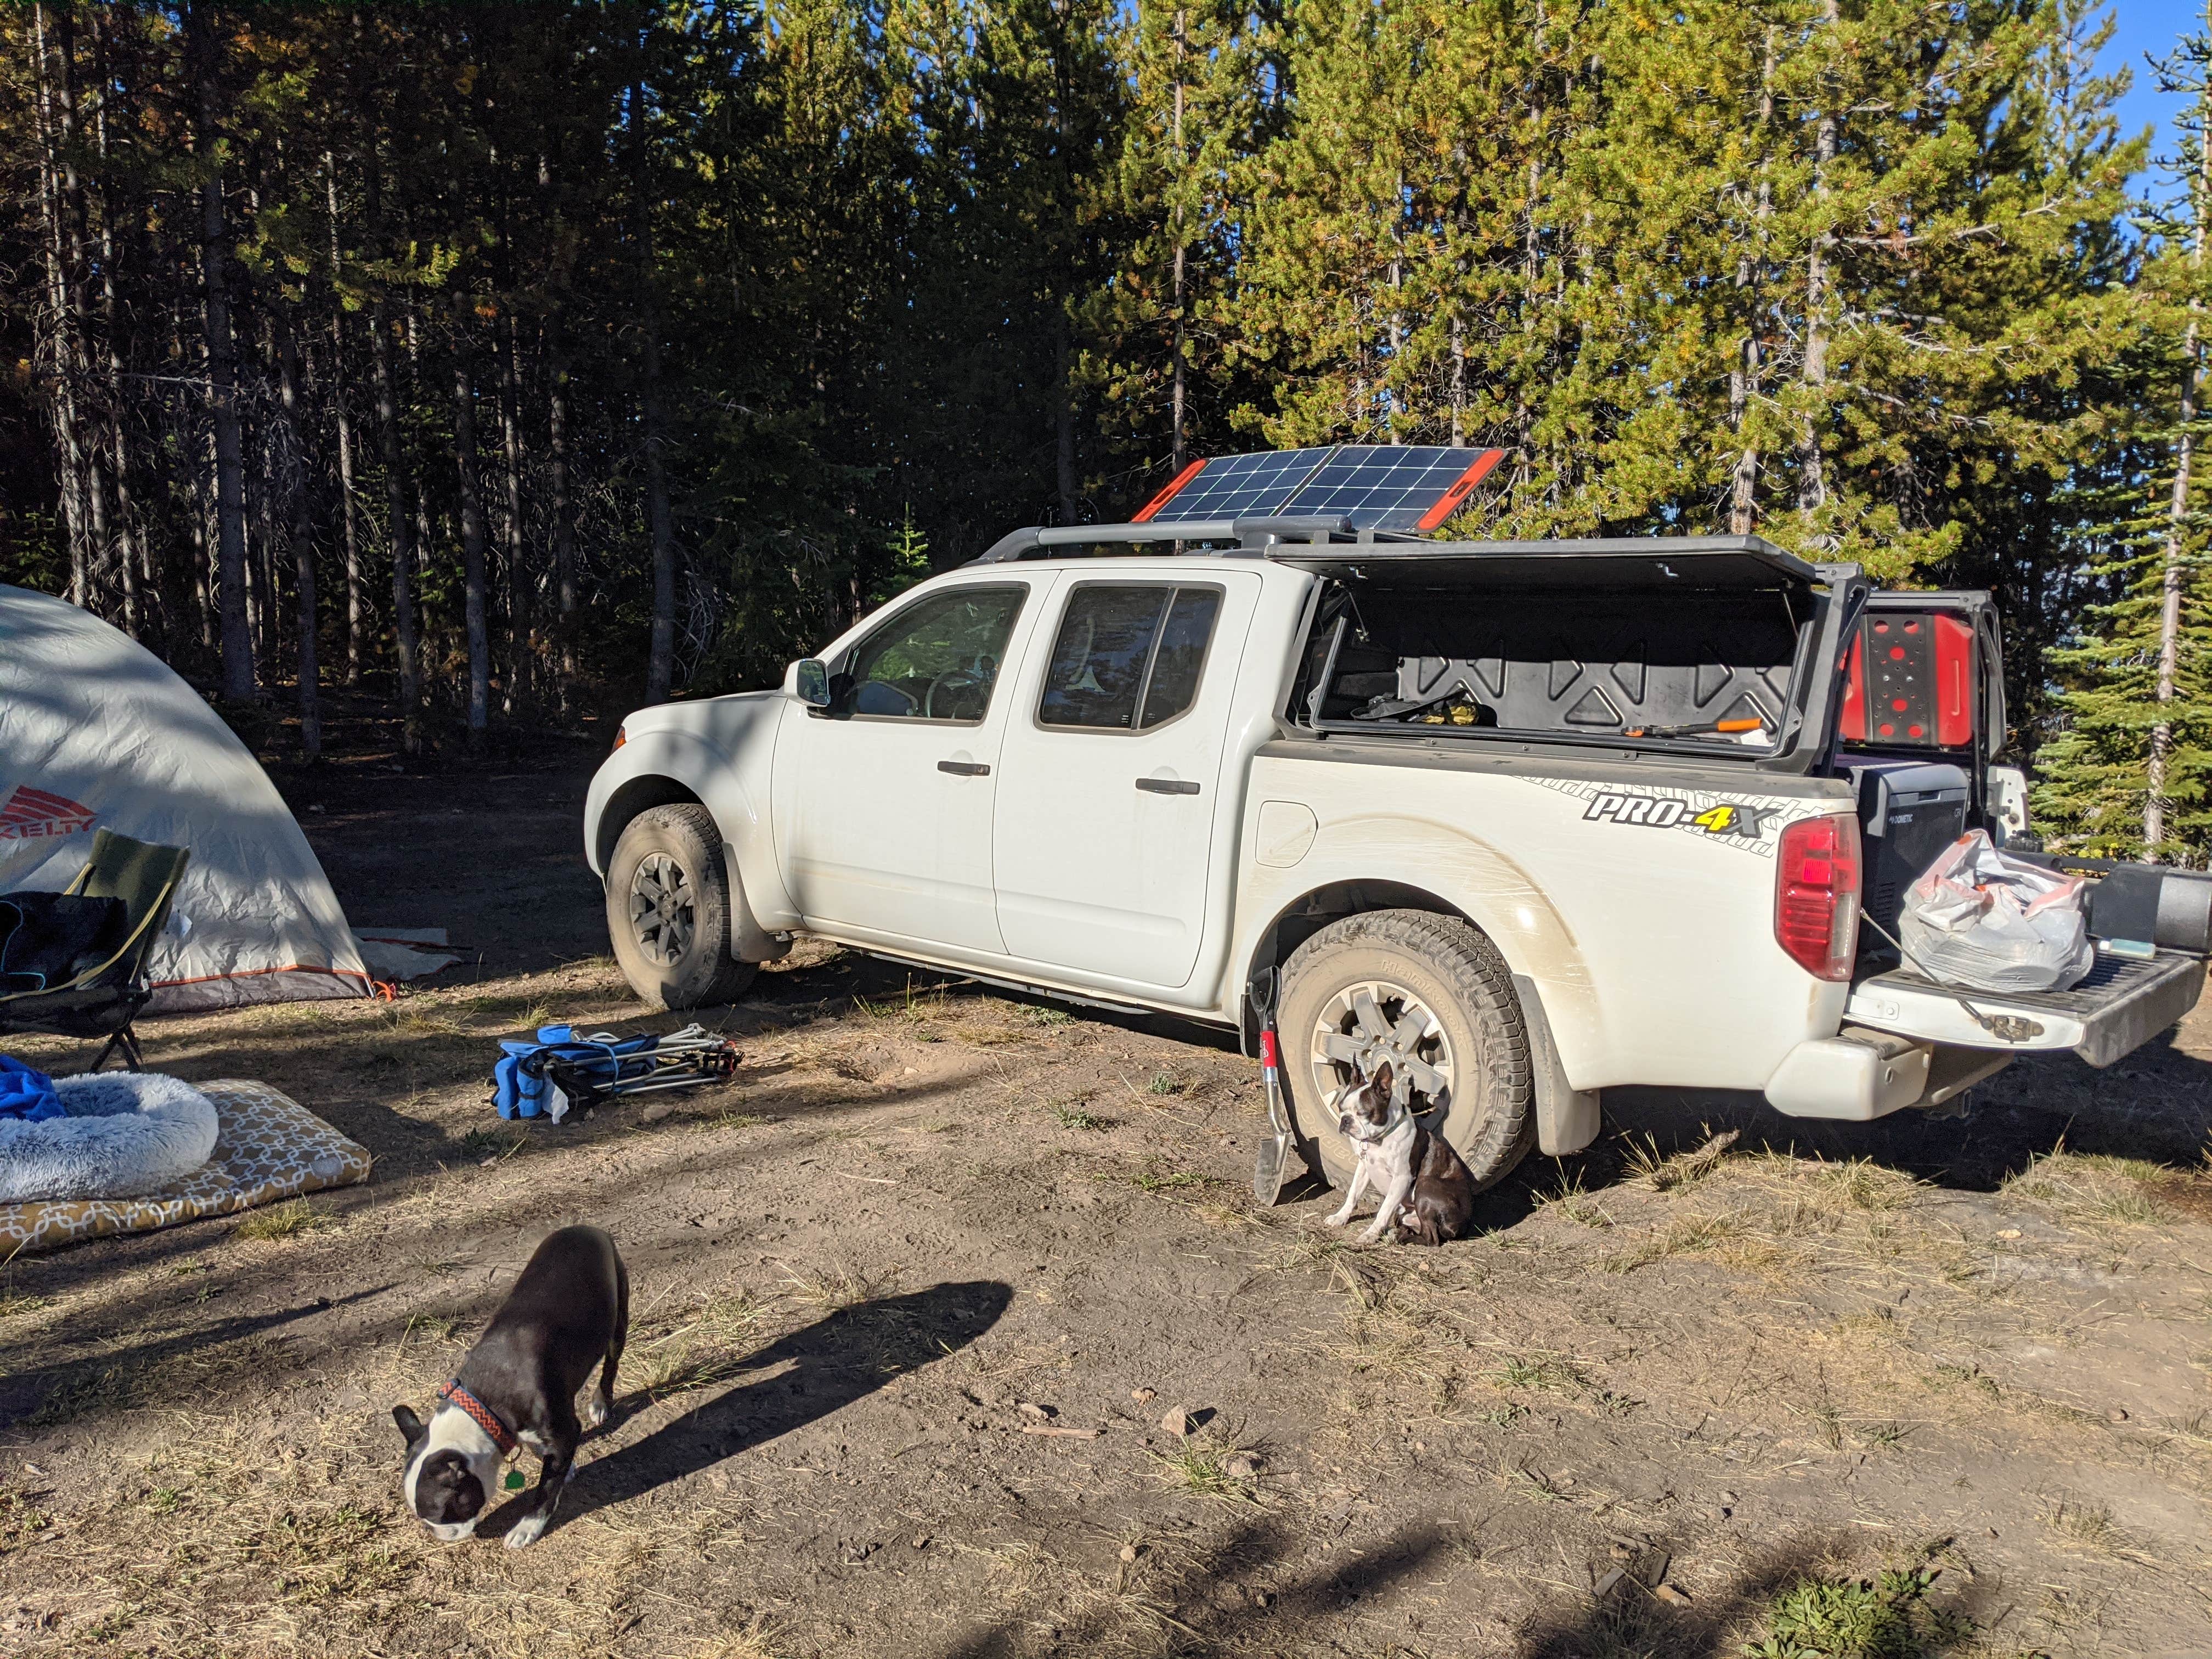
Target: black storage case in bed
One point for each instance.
(1909, 811)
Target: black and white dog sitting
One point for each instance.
(568, 1312)
(1428, 1192)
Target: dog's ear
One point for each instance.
(409, 1424)
(1384, 1083)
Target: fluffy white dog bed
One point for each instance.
(127, 1132)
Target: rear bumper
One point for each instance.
(1859, 1075)
(2122, 1005)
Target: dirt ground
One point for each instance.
(1679, 1397)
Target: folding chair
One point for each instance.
(103, 1000)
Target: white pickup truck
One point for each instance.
(1531, 820)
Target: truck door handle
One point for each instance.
(964, 768)
(1166, 786)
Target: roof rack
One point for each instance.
(1254, 538)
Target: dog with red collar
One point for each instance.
(568, 1312)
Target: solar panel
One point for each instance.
(1384, 487)
(1397, 487)
(1235, 486)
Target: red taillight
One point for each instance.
(1816, 894)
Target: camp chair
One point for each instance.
(103, 1000)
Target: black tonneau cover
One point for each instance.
(1723, 645)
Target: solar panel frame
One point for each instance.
(1242, 486)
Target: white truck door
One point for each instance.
(883, 801)
(1104, 825)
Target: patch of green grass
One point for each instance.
(1537, 1371)
(1151, 1181)
(288, 1220)
(1207, 1466)
(21, 1521)
(165, 1500)
(1886, 1617)
(1074, 1117)
(1048, 1015)
(1164, 1083)
(482, 1145)
(444, 1327)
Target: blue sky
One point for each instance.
(2149, 26)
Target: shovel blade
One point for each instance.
(1267, 1169)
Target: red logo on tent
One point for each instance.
(28, 813)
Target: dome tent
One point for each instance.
(97, 732)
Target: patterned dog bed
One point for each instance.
(267, 1147)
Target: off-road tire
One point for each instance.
(1490, 1119)
(702, 973)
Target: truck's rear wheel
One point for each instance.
(668, 909)
(1431, 995)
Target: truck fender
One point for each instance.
(655, 767)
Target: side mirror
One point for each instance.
(810, 682)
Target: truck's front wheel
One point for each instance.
(1430, 994)
(668, 909)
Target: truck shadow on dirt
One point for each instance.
(2156, 1105)
(832, 1363)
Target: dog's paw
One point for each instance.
(595, 1412)
(1334, 1220)
(526, 1532)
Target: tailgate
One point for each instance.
(2123, 1003)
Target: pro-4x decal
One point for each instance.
(1726, 817)
(1750, 826)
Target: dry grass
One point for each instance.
(2101, 1190)
(830, 1290)
(709, 1347)
(292, 1219)
(1568, 1200)
(1647, 1167)
(758, 1640)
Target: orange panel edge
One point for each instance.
(1168, 495)
(1451, 498)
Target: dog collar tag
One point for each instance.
(515, 1481)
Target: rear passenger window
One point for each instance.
(1128, 658)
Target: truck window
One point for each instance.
(1128, 658)
(937, 660)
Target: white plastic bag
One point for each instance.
(1978, 919)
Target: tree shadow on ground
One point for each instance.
(1198, 1602)
(1630, 1622)
(117, 1379)
(834, 1362)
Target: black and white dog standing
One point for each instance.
(1428, 1191)
(568, 1312)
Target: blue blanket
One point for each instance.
(26, 1094)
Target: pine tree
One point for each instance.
(2131, 775)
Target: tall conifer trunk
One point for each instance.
(237, 639)
(472, 523)
(303, 545)
(2173, 574)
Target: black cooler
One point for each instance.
(1909, 811)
